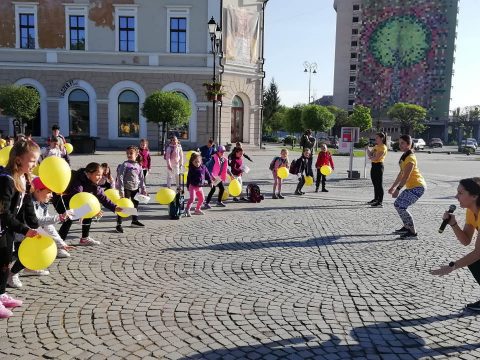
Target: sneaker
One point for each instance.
(28, 272)
(13, 281)
(206, 206)
(316, 189)
(401, 231)
(377, 204)
(274, 196)
(221, 204)
(298, 192)
(236, 199)
(187, 213)
(10, 302)
(136, 223)
(62, 254)
(473, 306)
(88, 241)
(371, 202)
(199, 212)
(119, 229)
(408, 235)
(4, 312)
(324, 190)
(280, 196)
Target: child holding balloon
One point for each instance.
(324, 159)
(278, 162)
(14, 199)
(304, 170)
(197, 175)
(236, 165)
(130, 182)
(53, 149)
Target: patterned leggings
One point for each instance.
(406, 199)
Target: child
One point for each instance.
(84, 180)
(52, 150)
(174, 157)
(218, 175)
(278, 162)
(236, 165)
(107, 181)
(14, 199)
(41, 196)
(303, 170)
(197, 175)
(324, 158)
(9, 141)
(130, 182)
(146, 159)
(238, 145)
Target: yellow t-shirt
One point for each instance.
(380, 149)
(470, 219)
(415, 179)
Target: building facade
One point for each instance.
(94, 62)
(406, 55)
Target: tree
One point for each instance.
(293, 119)
(317, 118)
(341, 118)
(271, 105)
(410, 116)
(166, 107)
(361, 117)
(19, 102)
(277, 122)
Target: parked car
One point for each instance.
(435, 142)
(419, 144)
(467, 147)
(334, 142)
(474, 141)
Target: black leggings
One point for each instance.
(6, 257)
(322, 178)
(60, 207)
(220, 193)
(376, 173)
(130, 194)
(17, 266)
(301, 182)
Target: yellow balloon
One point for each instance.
(35, 170)
(37, 253)
(4, 155)
(188, 155)
(326, 170)
(124, 203)
(55, 174)
(113, 195)
(69, 148)
(235, 188)
(165, 196)
(308, 180)
(225, 195)
(82, 198)
(282, 172)
(185, 175)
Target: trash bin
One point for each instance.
(83, 144)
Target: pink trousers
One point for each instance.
(195, 191)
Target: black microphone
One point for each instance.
(451, 209)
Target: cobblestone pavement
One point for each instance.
(313, 277)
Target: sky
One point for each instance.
(304, 30)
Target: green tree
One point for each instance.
(317, 118)
(19, 102)
(341, 118)
(410, 116)
(293, 119)
(271, 105)
(166, 108)
(277, 122)
(361, 117)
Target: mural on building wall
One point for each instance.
(241, 35)
(405, 56)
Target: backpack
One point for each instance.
(253, 193)
(295, 167)
(272, 164)
(177, 206)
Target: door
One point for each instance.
(237, 120)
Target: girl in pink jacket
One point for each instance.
(174, 157)
(219, 175)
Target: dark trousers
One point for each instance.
(61, 207)
(6, 257)
(212, 191)
(17, 266)
(130, 194)
(145, 172)
(475, 270)
(310, 164)
(322, 178)
(301, 182)
(376, 173)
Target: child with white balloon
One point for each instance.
(277, 163)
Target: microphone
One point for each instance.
(451, 209)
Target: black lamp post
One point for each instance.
(215, 32)
(311, 68)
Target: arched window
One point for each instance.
(237, 120)
(128, 114)
(79, 112)
(180, 131)
(34, 126)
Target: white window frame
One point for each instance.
(25, 8)
(178, 11)
(79, 10)
(125, 10)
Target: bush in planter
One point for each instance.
(395, 146)
(363, 141)
(289, 140)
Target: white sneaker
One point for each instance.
(88, 241)
(28, 272)
(14, 281)
(188, 213)
(62, 253)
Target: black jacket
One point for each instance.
(304, 169)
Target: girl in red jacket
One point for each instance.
(324, 158)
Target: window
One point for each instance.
(354, 43)
(355, 19)
(353, 78)
(351, 102)
(126, 33)
(180, 131)
(27, 31)
(351, 90)
(353, 55)
(77, 32)
(79, 112)
(178, 35)
(353, 67)
(356, 7)
(354, 31)
(128, 114)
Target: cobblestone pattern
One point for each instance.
(316, 277)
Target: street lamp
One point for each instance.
(215, 32)
(311, 68)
